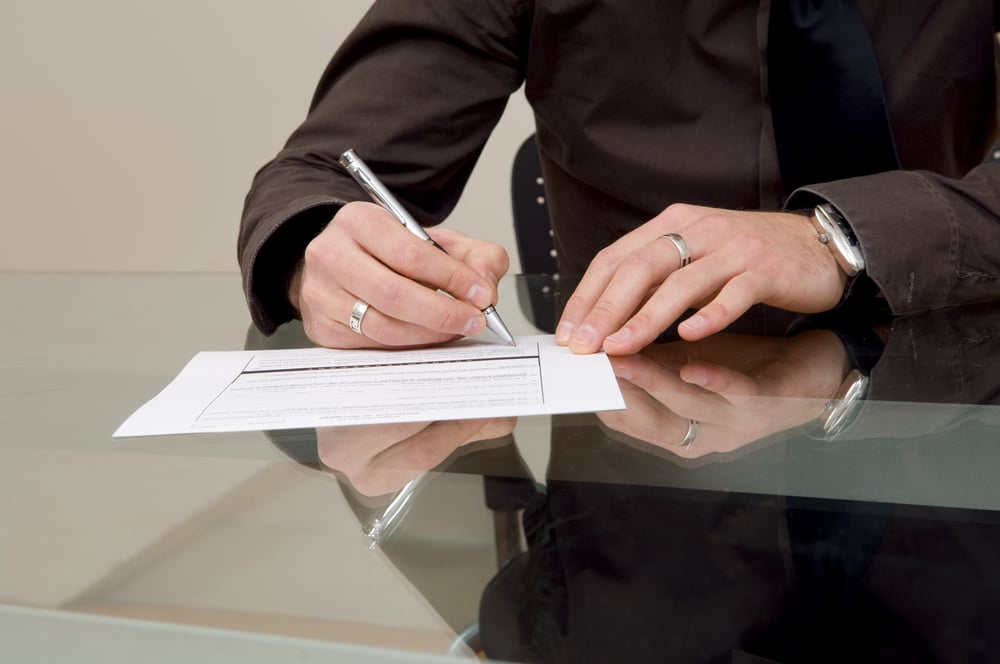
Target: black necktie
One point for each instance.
(828, 108)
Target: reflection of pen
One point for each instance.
(371, 184)
(381, 526)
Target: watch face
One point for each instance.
(839, 239)
(841, 414)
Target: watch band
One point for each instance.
(833, 231)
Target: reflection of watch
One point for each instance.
(842, 409)
(833, 231)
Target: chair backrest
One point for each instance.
(533, 233)
(532, 228)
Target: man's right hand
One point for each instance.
(365, 254)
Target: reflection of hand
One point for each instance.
(366, 254)
(635, 288)
(737, 388)
(381, 458)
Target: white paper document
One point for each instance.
(318, 387)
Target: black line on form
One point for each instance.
(391, 364)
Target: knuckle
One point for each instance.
(310, 291)
(754, 243)
(387, 296)
(449, 321)
(457, 282)
(407, 256)
(319, 331)
(717, 311)
(682, 281)
(336, 457)
(719, 223)
(423, 456)
(314, 251)
(604, 308)
(309, 328)
(642, 320)
(503, 259)
(638, 262)
(605, 259)
(575, 302)
(367, 483)
(380, 330)
(679, 210)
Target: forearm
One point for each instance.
(416, 91)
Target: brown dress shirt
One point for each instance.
(638, 105)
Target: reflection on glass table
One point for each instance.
(836, 503)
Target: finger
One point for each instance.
(349, 448)
(676, 217)
(400, 298)
(630, 285)
(681, 290)
(586, 293)
(420, 261)
(391, 467)
(644, 417)
(593, 284)
(679, 396)
(736, 297)
(487, 258)
(721, 380)
(493, 428)
(326, 319)
(341, 259)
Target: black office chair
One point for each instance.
(532, 228)
(533, 233)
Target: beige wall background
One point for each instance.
(132, 128)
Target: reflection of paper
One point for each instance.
(316, 387)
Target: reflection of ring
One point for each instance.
(682, 247)
(357, 314)
(689, 437)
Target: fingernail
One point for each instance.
(696, 323)
(622, 336)
(564, 332)
(472, 324)
(697, 378)
(478, 296)
(584, 336)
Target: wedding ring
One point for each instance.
(689, 437)
(682, 247)
(357, 315)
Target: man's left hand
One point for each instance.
(636, 287)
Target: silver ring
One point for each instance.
(357, 315)
(689, 437)
(682, 247)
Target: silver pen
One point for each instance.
(363, 175)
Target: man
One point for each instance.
(660, 148)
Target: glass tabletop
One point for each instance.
(794, 489)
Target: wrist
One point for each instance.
(293, 284)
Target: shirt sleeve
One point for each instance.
(929, 241)
(416, 89)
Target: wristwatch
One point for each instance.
(843, 408)
(833, 231)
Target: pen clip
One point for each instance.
(358, 169)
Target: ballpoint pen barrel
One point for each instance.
(358, 169)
